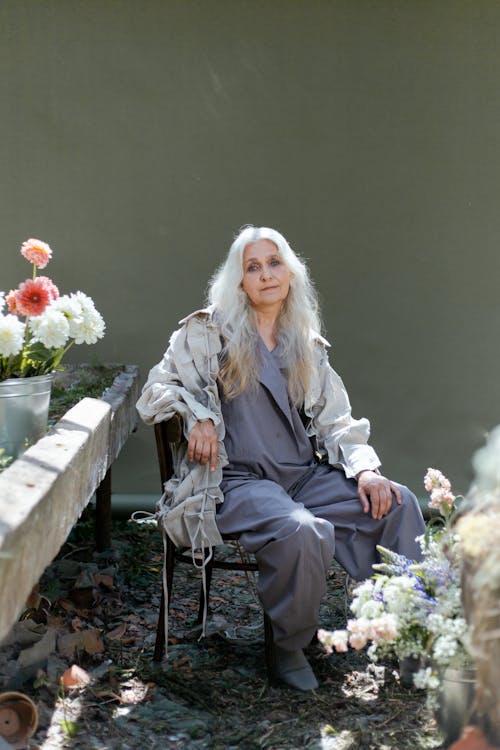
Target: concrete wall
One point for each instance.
(137, 136)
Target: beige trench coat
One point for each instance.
(185, 383)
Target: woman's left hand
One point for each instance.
(376, 492)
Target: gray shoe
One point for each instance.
(293, 669)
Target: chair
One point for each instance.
(168, 433)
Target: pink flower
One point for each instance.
(384, 627)
(11, 302)
(358, 641)
(360, 632)
(434, 479)
(441, 499)
(37, 252)
(439, 487)
(32, 297)
(50, 286)
(333, 639)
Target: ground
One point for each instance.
(209, 693)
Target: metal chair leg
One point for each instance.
(160, 631)
(169, 563)
(203, 594)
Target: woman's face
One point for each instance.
(266, 278)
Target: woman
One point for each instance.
(273, 453)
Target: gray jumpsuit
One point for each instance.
(295, 514)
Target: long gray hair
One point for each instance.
(298, 322)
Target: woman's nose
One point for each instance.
(266, 271)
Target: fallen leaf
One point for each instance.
(55, 621)
(83, 598)
(84, 640)
(117, 633)
(102, 579)
(33, 599)
(75, 677)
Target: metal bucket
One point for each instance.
(24, 410)
(456, 701)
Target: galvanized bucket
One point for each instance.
(24, 409)
(456, 701)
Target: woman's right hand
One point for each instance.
(203, 445)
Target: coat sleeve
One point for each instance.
(165, 394)
(344, 438)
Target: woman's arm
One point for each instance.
(184, 383)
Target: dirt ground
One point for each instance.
(102, 609)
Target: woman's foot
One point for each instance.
(293, 669)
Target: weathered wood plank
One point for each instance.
(43, 493)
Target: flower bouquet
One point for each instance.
(40, 325)
(413, 610)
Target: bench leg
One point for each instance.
(103, 513)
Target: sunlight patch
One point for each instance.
(333, 740)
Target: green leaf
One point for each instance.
(70, 728)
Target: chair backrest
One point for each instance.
(166, 433)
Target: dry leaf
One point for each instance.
(83, 598)
(75, 677)
(84, 640)
(33, 599)
(103, 579)
(117, 633)
(56, 621)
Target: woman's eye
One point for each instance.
(253, 267)
(276, 262)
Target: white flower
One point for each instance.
(370, 609)
(50, 328)
(444, 648)
(11, 335)
(73, 312)
(425, 679)
(89, 326)
(92, 328)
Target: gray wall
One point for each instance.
(138, 135)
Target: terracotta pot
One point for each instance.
(18, 718)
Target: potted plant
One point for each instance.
(414, 611)
(37, 327)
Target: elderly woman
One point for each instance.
(272, 452)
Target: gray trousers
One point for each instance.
(294, 535)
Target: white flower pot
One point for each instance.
(24, 409)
